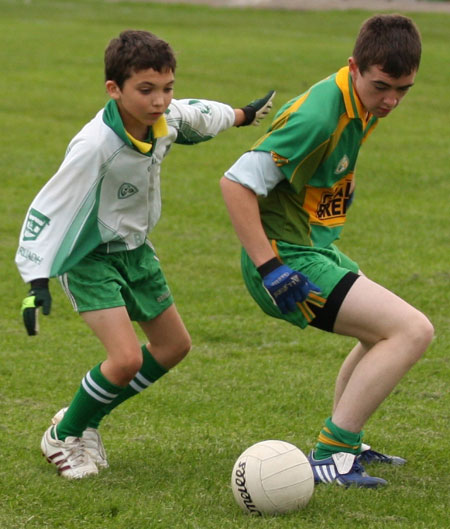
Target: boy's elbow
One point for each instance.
(225, 184)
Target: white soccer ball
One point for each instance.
(272, 477)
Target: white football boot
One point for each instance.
(69, 456)
(92, 441)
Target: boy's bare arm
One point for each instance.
(285, 286)
(242, 206)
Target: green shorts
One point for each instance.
(325, 267)
(133, 279)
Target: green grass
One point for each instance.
(248, 377)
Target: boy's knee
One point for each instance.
(426, 330)
(184, 347)
(172, 354)
(130, 363)
(180, 350)
(420, 333)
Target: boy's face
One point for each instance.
(143, 99)
(378, 91)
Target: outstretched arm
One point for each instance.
(198, 120)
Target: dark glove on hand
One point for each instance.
(38, 296)
(258, 109)
(285, 286)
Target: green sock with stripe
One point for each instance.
(333, 439)
(149, 373)
(94, 393)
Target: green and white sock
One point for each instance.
(149, 373)
(94, 393)
(333, 439)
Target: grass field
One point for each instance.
(248, 377)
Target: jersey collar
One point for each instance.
(111, 117)
(353, 105)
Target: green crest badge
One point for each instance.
(204, 109)
(127, 190)
(36, 222)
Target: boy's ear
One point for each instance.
(113, 89)
(352, 64)
(353, 68)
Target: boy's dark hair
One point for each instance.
(391, 42)
(133, 51)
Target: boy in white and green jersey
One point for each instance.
(288, 199)
(88, 226)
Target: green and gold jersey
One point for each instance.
(314, 140)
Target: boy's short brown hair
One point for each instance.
(135, 50)
(391, 42)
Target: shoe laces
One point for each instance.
(93, 441)
(378, 456)
(76, 452)
(357, 467)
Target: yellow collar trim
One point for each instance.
(349, 94)
(159, 130)
(143, 146)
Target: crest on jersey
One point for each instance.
(278, 159)
(127, 190)
(342, 165)
(204, 108)
(34, 225)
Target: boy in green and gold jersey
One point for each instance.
(288, 198)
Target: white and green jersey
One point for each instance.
(107, 190)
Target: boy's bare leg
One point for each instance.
(400, 335)
(169, 340)
(346, 370)
(115, 330)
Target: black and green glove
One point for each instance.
(38, 296)
(258, 109)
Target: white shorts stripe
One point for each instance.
(65, 285)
